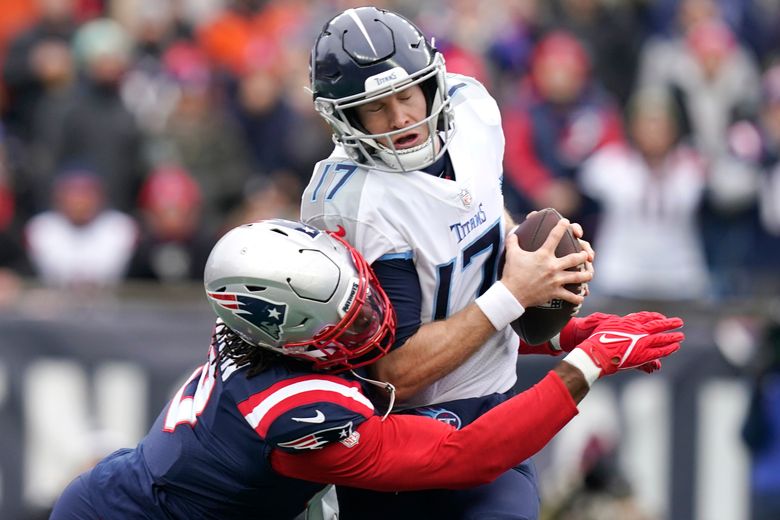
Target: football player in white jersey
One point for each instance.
(415, 184)
(421, 200)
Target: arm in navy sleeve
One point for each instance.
(398, 277)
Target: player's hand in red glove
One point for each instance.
(578, 330)
(635, 340)
(573, 333)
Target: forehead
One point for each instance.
(406, 91)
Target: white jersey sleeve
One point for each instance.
(452, 230)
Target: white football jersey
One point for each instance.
(452, 230)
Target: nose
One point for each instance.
(398, 116)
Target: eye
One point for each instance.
(374, 108)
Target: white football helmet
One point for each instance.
(364, 54)
(298, 291)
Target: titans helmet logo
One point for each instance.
(266, 315)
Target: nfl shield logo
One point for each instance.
(465, 197)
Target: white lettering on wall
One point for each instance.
(71, 422)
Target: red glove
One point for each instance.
(573, 333)
(636, 340)
(578, 330)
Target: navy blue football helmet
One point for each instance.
(364, 54)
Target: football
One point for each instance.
(539, 324)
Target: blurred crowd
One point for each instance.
(135, 132)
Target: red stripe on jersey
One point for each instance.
(252, 401)
(263, 408)
(307, 398)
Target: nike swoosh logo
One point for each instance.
(607, 340)
(318, 418)
(609, 336)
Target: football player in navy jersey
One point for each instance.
(278, 411)
(415, 182)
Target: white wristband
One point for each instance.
(499, 306)
(579, 359)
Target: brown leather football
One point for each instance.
(539, 324)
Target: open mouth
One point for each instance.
(406, 140)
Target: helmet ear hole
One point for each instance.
(429, 88)
(255, 288)
(354, 120)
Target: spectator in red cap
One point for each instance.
(714, 74)
(550, 132)
(716, 82)
(173, 246)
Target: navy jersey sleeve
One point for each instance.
(307, 412)
(398, 277)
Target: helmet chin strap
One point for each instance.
(387, 387)
(409, 159)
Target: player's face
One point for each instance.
(394, 112)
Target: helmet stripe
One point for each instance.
(353, 14)
(227, 301)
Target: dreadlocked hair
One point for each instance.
(231, 346)
(242, 353)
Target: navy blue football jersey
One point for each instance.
(207, 455)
